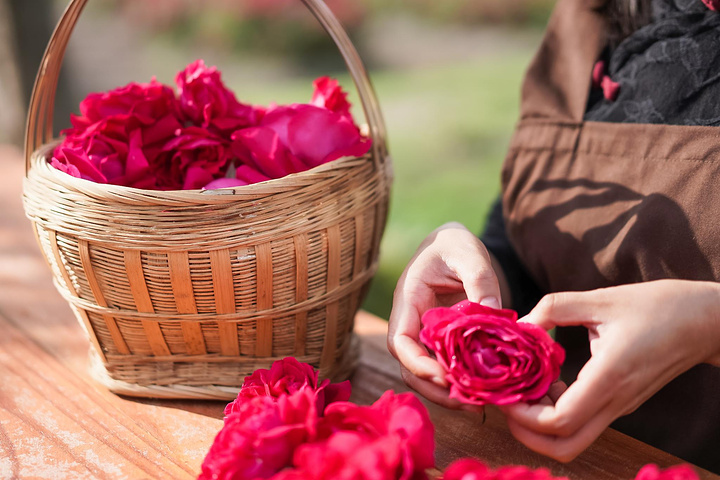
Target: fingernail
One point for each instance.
(491, 302)
(438, 381)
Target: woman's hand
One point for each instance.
(641, 337)
(450, 265)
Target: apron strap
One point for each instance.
(558, 80)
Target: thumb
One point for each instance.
(478, 277)
(564, 309)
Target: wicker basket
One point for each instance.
(184, 293)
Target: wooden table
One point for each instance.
(56, 423)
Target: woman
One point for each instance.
(609, 219)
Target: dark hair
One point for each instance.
(624, 17)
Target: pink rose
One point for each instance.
(393, 439)
(262, 149)
(244, 175)
(328, 94)
(249, 175)
(288, 376)
(260, 437)
(294, 138)
(489, 356)
(206, 101)
(224, 183)
(75, 162)
(352, 455)
(395, 431)
(192, 159)
(401, 415)
(472, 469)
(677, 472)
(712, 4)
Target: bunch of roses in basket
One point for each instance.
(286, 424)
(147, 136)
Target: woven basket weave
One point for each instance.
(184, 293)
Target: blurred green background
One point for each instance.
(447, 74)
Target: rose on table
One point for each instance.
(286, 424)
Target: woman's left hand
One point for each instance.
(641, 337)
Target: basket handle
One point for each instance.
(42, 102)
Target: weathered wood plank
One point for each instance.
(55, 422)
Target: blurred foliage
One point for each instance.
(282, 26)
(274, 26)
(506, 12)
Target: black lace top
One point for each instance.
(668, 71)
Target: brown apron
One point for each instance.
(592, 204)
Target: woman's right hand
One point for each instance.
(450, 265)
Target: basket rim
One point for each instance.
(293, 181)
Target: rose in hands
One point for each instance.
(489, 356)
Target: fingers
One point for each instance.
(563, 449)
(557, 389)
(574, 407)
(415, 359)
(566, 308)
(551, 430)
(451, 264)
(469, 260)
(435, 393)
(474, 270)
(403, 333)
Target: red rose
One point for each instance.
(395, 432)
(490, 358)
(389, 440)
(75, 162)
(352, 455)
(249, 175)
(136, 105)
(472, 469)
(294, 138)
(677, 472)
(224, 183)
(258, 440)
(111, 139)
(401, 415)
(191, 160)
(329, 95)
(206, 102)
(262, 149)
(106, 153)
(244, 175)
(288, 376)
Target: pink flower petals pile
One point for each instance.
(149, 136)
